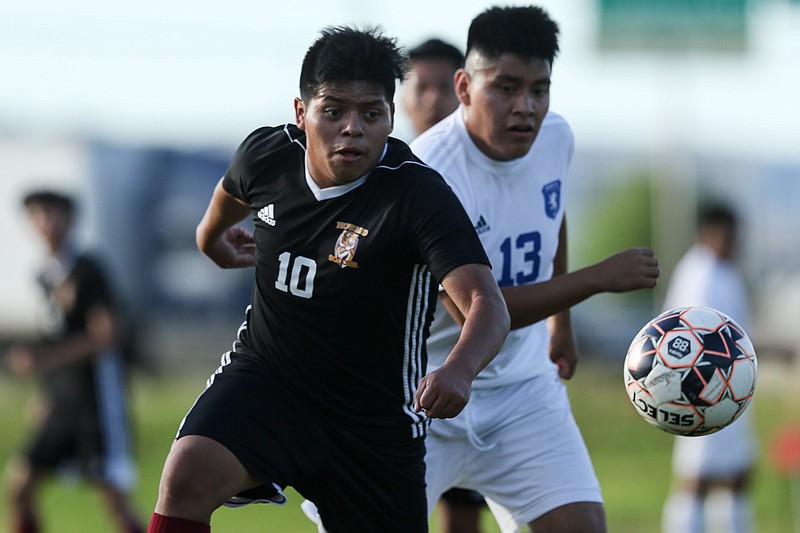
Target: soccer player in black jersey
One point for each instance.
(325, 389)
(85, 416)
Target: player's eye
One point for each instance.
(333, 112)
(540, 91)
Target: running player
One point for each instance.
(325, 388)
(85, 422)
(506, 157)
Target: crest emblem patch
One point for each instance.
(346, 244)
(552, 198)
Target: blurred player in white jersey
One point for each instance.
(722, 462)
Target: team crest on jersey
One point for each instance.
(552, 198)
(346, 244)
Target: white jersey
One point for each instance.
(517, 208)
(700, 278)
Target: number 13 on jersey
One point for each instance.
(530, 246)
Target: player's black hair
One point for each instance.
(49, 198)
(345, 54)
(437, 49)
(716, 214)
(525, 31)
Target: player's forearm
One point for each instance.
(74, 349)
(223, 212)
(215, 222)
(528, 304)
(482, 334)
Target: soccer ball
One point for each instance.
(691, 371)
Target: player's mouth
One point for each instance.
(521, 130)
(348, 155)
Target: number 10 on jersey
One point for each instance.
(303, 270)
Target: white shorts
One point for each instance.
(721, 455)
(517, 445)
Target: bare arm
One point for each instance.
(563, 346)
(100, 333)
(217, 236)
(632, 269)
(444, 392)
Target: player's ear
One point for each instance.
(300, 113)
(461, 82)
(391, 116)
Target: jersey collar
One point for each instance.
(337, 190)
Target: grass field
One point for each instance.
(631, 458)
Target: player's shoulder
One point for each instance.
(90, 269)
(443, 141)
(271, 138)
(555, 124)
(403, 168)
(554, 143)
(90, 261)
(399, 159)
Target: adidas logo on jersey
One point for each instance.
(482, 227)
(267, 214)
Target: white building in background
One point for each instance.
(28, 162)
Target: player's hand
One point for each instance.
(235, 249)
(21, 360)
(443, 393)
(635, 268)
(564, 352)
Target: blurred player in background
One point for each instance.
(325, 389)
(428, 97)
(712, 472)
(428, 94)
(516, 442)
(85, 424)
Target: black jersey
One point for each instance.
(346, 276)
(86, 421)
(71, 296)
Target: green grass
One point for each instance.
(631, 458)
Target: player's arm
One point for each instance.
(632, 269)
(444, 392)
(217, 235)
(100, 334)
(563, 347)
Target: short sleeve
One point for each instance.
(239, 175)
(254, 153)
(445, 238)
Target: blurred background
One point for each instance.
(136, 108)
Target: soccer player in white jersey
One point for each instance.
(507, 157)
(720, 463)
